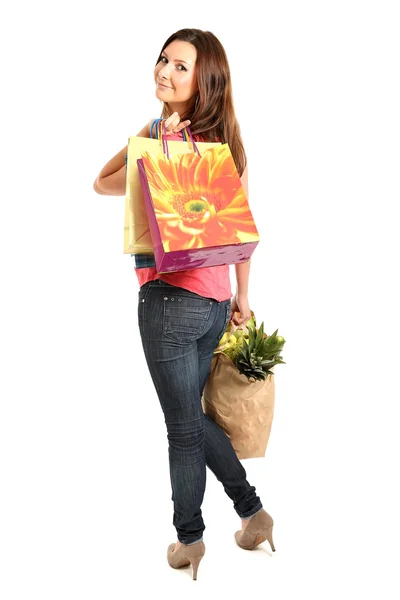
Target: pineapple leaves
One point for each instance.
(252, 351)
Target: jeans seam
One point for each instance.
(187, 466)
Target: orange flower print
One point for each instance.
(199, 200)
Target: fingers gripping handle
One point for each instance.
(161, 135)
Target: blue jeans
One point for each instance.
(180, 331)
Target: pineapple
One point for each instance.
(259, 353)
(251, 350)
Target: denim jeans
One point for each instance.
(180, 331)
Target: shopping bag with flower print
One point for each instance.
(197, 209)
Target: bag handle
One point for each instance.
(192, 143)
(161, 135)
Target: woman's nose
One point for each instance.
(164, 71)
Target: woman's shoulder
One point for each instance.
(148, 129)
(145, 131)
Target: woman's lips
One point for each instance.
(167, 87)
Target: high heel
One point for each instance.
(257, 531)
(185, 556)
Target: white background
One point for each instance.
(85, 503)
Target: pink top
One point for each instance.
(211, 282)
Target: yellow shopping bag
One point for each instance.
(137, 238)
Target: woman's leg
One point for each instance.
(224, 463)
(170, 321)
(219, 453)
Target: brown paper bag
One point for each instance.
(243, 409)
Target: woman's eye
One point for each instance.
(164, 60)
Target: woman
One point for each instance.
(183, 315)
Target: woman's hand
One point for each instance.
(174, 124)
(240, 304)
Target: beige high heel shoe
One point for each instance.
(185, 556)
(257, 531)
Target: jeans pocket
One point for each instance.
(185, 318)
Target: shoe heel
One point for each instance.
(268, 535)
(195, 553)
(195, 561)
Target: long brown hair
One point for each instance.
(212, 115)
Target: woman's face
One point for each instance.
(175, 74)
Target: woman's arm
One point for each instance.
(242, 277)
(242, 269)
(111, 181)
(240, 301)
